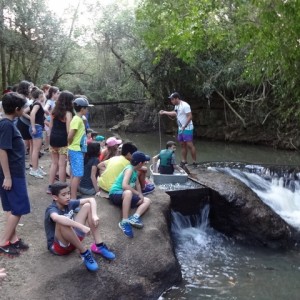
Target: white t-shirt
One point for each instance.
(181, 111)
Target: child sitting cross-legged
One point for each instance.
(65, 231)
(126, 192)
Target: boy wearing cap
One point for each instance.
(77, 142)
(183, 113)
(126, 192)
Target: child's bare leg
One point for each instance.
(143, 207)
(127, 196)
(66, 235)
(85, 215)
(9, 234)
(74, 185)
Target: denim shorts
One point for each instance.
(76, 162)
(39, 132)
(117, 199)
(15, 200)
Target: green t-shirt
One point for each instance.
(117, 186)
(79, 140)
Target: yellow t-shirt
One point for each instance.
(77, 124)
(114, 166)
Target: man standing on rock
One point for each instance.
(183, 113)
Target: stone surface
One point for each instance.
(238, 212)
(145, 265)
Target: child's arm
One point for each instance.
(154, 162)
(68, 120)
(102, 167)
(65, 221)
(126, 185)
(32, 117)
(94, 178)
(7, 183)
(71, 135)
(93, 204)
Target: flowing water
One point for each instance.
(214, 266)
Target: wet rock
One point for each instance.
(238, 212)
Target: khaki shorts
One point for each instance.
(61, 150)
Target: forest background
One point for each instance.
(235, 61)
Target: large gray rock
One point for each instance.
(238, 212)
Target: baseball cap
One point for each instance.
(138, 157)
(112, 141)
(99, 138)
(174, 95)
(82, 102)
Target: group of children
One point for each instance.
(123, 176)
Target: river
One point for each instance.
(214, 266)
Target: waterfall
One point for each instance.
(282, 193)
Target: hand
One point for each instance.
(7, 183)
(98, 194)
(85, 229)
(33, 130)
(161, 112)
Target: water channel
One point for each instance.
(215, 267)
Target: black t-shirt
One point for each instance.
(40, 114)
(11, 141)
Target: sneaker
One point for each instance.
(9, 250)
(89, 261)
(194, 164)
(104, 251)
(49, 192)
(36, 174)
(126, 228)
(20, 245)
(136, 222)
(149, 188)
(182, 164)
(41, 171)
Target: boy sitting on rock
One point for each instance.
(126, 192)
(65, 232)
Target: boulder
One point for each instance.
(144, 267)
(237, 211)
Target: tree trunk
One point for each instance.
(2, 51)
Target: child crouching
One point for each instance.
(65, 232)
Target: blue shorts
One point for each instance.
(76, 162)
(185, 136)
(15, 200)
(117, 199)
(39, 132)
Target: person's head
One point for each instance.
(60, 192)
(90, 132)
(45, 88)
(128, 149)
(93, 149)
(53, 93)
(112, 142)
(24, 88)
(13, 104)
(171, 145)
(37, 94)
(174, 98)
(63, 104)
(139, 158)
(81, 105)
